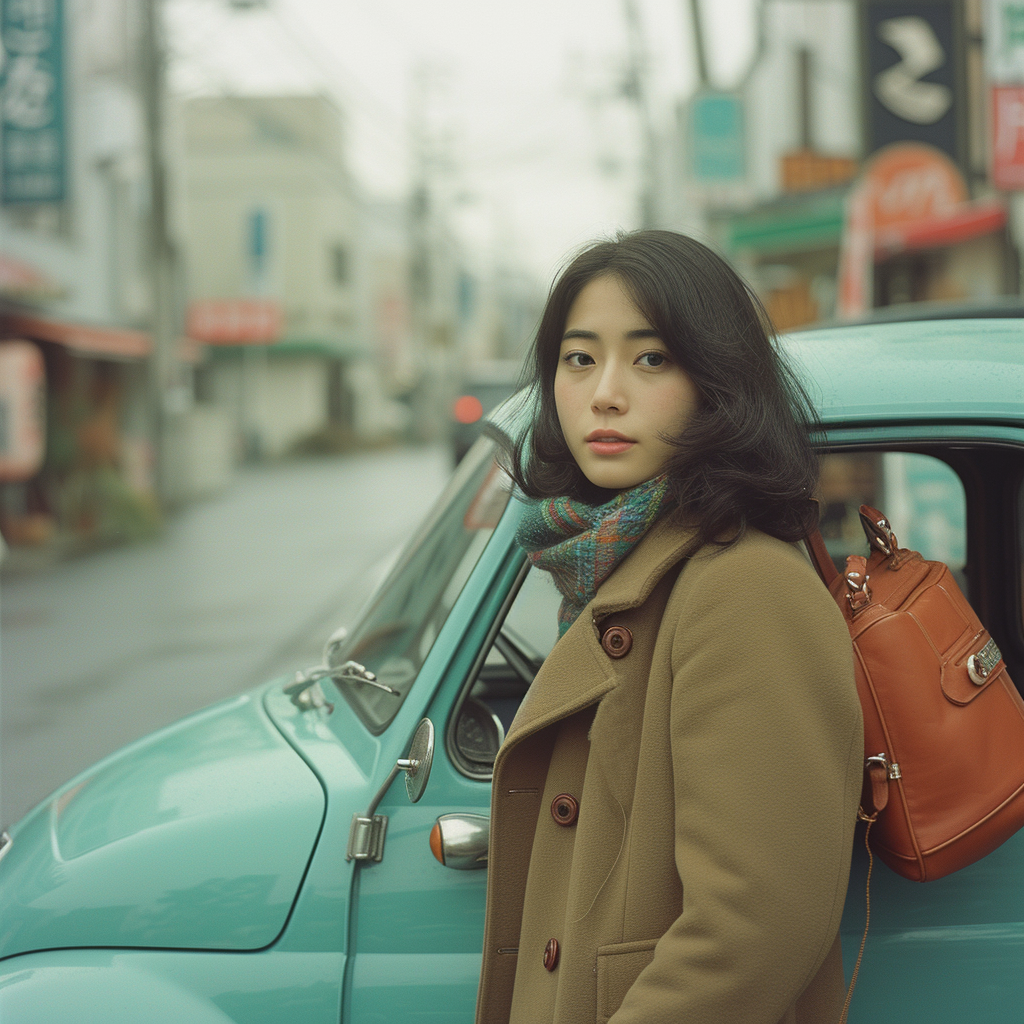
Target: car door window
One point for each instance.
(922, 497)
(525, 639)
(400, 624)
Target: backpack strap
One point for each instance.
(820, 558)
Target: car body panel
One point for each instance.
(170, 987)
(215, 812)
(319, 920)
(936, 371)
(945, 950)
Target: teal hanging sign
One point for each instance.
(715, 138)
(33, 152)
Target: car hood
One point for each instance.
(195, 837)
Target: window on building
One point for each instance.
(339, 263)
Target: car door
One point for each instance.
(950, 949)
(418, 929)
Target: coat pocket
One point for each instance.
(618, 966)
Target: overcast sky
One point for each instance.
(523, 97)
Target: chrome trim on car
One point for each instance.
(6, 842)
(464, 840)
(367, 831)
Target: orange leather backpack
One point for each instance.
(943, 723)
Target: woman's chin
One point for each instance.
(615, 478)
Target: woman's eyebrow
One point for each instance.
(639, 334)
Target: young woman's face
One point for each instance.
(617, 390)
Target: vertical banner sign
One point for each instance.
(22, 410)
(1004, 57)
(912, 74)
(1004, 41)
(715, 138)
(32, 143)
(1008, 137)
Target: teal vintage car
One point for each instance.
(260, 861)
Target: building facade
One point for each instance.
(74, 270)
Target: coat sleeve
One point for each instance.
(766, 741)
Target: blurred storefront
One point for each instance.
(91, 478)
(75, 287)
(857, 123)
(878, 161)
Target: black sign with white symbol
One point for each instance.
(911, 80)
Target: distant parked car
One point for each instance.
(255, 863)
(481, 391)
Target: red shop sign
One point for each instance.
(1008, 137)
(235, 321)
(22, 410)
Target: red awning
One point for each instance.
(968, 220)
(94, 341)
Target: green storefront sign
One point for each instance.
(33, 152)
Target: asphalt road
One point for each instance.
(101, 650)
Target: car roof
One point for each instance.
(928, 371)
(924, 371)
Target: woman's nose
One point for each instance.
(609, 392)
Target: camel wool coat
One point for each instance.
(716, 765)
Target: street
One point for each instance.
(98, 651)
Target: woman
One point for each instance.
(673, 809)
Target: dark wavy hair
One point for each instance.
(744, 458)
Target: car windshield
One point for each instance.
(402, 621)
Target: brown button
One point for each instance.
(565, 809)
(616, 641)
(551, 954)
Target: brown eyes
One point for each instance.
(653, 359)
(650, 360)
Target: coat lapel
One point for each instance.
(641, 571)
(577, 673)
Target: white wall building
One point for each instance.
(810, 56)
(271, 213)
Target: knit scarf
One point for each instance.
(581, 544)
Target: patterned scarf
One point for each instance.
(580, 544)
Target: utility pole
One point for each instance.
(636, 91)
(428, 417)
(697, 23)
(164, 322)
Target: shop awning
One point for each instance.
(966, 221)
(794, 224)
(114, 342)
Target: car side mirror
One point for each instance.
(367, 832)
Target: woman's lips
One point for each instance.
(608, 443)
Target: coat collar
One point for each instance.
(578, 673)
(641, 570)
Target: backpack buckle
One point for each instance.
(858, 593)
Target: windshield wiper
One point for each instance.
(349, 672)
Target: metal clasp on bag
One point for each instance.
(878, 532)
(892, 769)
(980, 665)
(858, 593)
